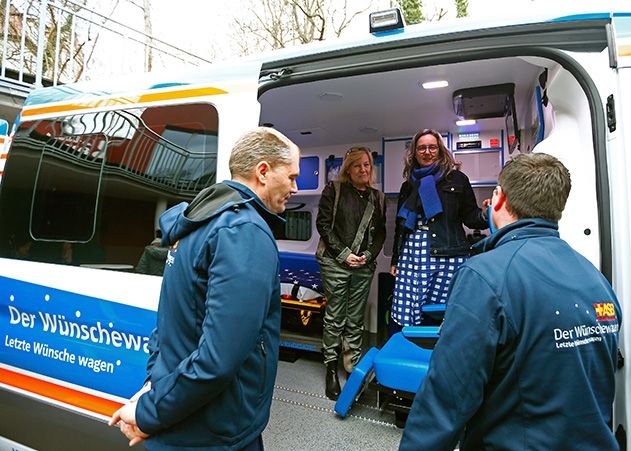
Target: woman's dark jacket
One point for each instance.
(350, 209)
(446, 235)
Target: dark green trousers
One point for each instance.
(346, 292)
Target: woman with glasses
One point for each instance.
(351, 223)
(435, 200)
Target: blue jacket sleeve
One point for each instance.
(153, 347)
(241, 280)
(460, 367)
(470, 214)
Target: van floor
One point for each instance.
(302, 417)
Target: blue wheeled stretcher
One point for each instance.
(398, 369)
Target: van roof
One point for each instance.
(238, 68)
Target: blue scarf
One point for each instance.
(423, 195)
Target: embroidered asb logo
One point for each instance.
(605, 311)
(172, 253)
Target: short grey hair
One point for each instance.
(260, 144)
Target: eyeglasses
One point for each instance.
(429, 148)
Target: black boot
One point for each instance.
(332, 381)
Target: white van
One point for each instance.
(92, 166)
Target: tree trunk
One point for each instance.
(148, 46)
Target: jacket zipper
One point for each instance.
(264, 352)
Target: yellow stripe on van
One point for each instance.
(624, 50)
(124, 100)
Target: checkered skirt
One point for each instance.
(421, 279)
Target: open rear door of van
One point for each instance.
(619, 135)
(577, 44)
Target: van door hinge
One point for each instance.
(611, 114)
(611, 46)
(275, 74)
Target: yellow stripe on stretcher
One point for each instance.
(124, 100)
(311, 304)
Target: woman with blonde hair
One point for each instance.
(351, 224)
(435, 200)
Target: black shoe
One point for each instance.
(400, 418)
(332, 381)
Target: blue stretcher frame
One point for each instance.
(400, 365)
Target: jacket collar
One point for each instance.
(271, 218)
(522, 229)
(182, 219)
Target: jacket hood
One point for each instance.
(524, 228)
(182, 219)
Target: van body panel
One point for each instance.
(90, 373)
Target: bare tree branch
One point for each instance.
(345, 21)
(280, 23)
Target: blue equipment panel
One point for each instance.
(309, 171)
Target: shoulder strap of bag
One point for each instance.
(363, 225)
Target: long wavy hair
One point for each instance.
(445, 159)
(353, 155)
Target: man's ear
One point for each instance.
(261, 170)
(501, 199)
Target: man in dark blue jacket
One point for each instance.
(528, 349)
(214, 352)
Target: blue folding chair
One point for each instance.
(398, 369)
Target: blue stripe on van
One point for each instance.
(586, 16)
(73, 338)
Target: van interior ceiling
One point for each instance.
(365, 108)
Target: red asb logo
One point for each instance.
(605, 311)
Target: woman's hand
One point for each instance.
(393, 271)
(355, 261)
